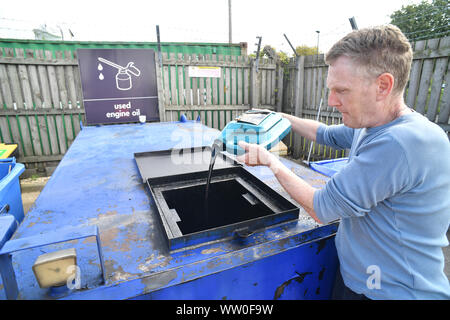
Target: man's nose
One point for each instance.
(333, 100)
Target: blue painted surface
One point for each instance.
(300, 273)
(10, 193)
(97, 183)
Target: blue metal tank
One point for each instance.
(96, 202)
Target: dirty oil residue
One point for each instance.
(321, 244)
(299, 279)
(321, 273)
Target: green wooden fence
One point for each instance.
(41, 99)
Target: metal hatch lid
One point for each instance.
(171, 162)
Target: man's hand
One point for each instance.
(255, 155)
(298, 189)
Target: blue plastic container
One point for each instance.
(10, 193)
(8, 225)
(329, 167)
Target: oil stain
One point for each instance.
(321, 273)
(298, 279)
(321, 244)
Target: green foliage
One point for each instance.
(283, 57)
(424, 20)
(304, 50)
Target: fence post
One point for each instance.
(298, 100)
(279, 88)
(254, 85)
(159, 81)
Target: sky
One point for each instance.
(197, 20)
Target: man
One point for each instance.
(393, 196)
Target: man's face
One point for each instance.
(351, 93)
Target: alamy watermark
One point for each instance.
(374, 280)
(74, 279)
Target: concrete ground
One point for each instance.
(33, 186)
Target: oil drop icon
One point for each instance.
(101, 76)
(100, 67)
(123, 76)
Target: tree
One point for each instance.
(424, 20)
(271, 53)
(303, 50)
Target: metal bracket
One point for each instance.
(62, 235)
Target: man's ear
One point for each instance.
(385, 85)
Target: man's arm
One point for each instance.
(296, 187)
(305, 127)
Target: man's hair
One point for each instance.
(378, 50)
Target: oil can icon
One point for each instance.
(123, 77)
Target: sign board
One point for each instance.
(204, 72)
(119, 85)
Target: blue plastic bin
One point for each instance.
(10, 193)
(329, 167)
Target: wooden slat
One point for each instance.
(279, 88)
(444, 112)
(268, 86)
(228, 85)
(70, 81)
(173, 82)
(166, 83)
(246, 81)
(61, 80)
(233, 84)
(18, 77)
(273, 92)
(208, 85)
(195, 85)
(215, 86)
(207, 107)
(187, 84)
(263, 83)
(65, 131)
(34, 100)
(222, 83)
(34, 81)
(414, 77)
(240, 83)
(62, 101)
(24, 61)
(201, 85)
(319, 93)
(24, 82)
(437, 78)
(50, 121)
(313, 103)
(308, 88)
(45, 103)
(76, 74)
(425, 79)
(5, 87)
(180, 72)
(14, 82)
(44, 82)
